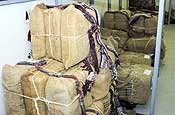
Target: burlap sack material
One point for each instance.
(11, 81)
(33, 85)
(135, 83)
(112, 44)
(109, 16)
(145, 25)
(120, 33)
(110, 25)
(98, 90)
(52, 23)
(36, 93)
(135, 58)
(121, 21)
(145, 45)
(60, 35)
(116, 20)
(75, 44)
(37, 27)
(120, 36)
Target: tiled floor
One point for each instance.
(165, 101)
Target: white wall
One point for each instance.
(13, 36)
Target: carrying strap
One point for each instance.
(83, 8)
(91, 77)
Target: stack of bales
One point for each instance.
(136, 37)
(58, 37)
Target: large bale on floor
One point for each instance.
(135, 83)
(59, 94)
(135, 58)
(11, 81)
(145, 45)
(143, 24)
(33, 86)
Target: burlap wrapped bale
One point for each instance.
(109, 18)
(37, 28)
(33, 85)
(151, 25)
(75, 42)
(135, 83)
(143, 24)
(116, 20)
(135, 58)
(60, 35)
(98, 90)
(121, 20)
(11, 80)
(145, 45)
(52, 23)
(64, 92)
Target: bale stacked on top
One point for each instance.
(143, 24)
(52, 34)
(117, 20)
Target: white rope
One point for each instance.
(148, 43)
(50, 43)
(45, 35)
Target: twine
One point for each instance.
(43, 99)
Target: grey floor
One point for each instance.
(165, 101)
